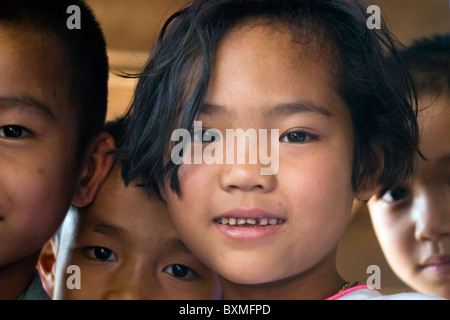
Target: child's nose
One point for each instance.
(127, 293)
(432, 213)
(132, 282)
(245, 177)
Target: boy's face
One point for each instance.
(412, 221)
(37, 143)
(127, 248)
(292, 220)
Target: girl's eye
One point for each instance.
(180, 271)
(209, 135)
(13, 132)
(101, 253)
(296, 137)
(395, 195)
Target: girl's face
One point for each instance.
(412, 221)
(288, 222)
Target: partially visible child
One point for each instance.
(125, 247)
(53, 96)
(310, 72)
(412, 219)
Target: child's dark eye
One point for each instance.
(180, 271)
(209, 135)
(101, 253)
(13, 132)
(296, 137)
(395, 195)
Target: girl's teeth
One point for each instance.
(241, 221)
(250, 221)
(273, 221)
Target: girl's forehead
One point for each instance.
(275, 45)
(271, 64)
(307, 37)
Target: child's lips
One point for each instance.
(248, 224)
(249, 217)
(437, 264)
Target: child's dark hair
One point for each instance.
(115, 129)
(428, 60)
(84, 52)
(174, 82)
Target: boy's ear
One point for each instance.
(369, 185)
(96, 167)
(46, 266)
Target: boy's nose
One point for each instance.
(127, 293)
(132, 282)
(432, 214)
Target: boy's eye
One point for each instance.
(180, 271)
(395, 195)
(296, 137)
(13, 132)
(101, 253)
(209, 135)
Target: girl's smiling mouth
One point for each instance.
(248, 224)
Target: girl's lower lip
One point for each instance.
(248, 232)
(439, 269)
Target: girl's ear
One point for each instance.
(369, 185)
(95, 169)
(162, 192)
(46, 266)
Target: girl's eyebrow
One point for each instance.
(26, 103)
(213, 109)
(284, 110)
(281, 110)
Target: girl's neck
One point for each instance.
(318, 283)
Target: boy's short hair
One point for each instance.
(428, 60)
(175, 79)
(84, 52)
(115, 129)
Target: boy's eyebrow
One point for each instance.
(281, 110)
(108, 229)
(26, 103)
(117, 231)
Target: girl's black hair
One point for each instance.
(174, 81)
